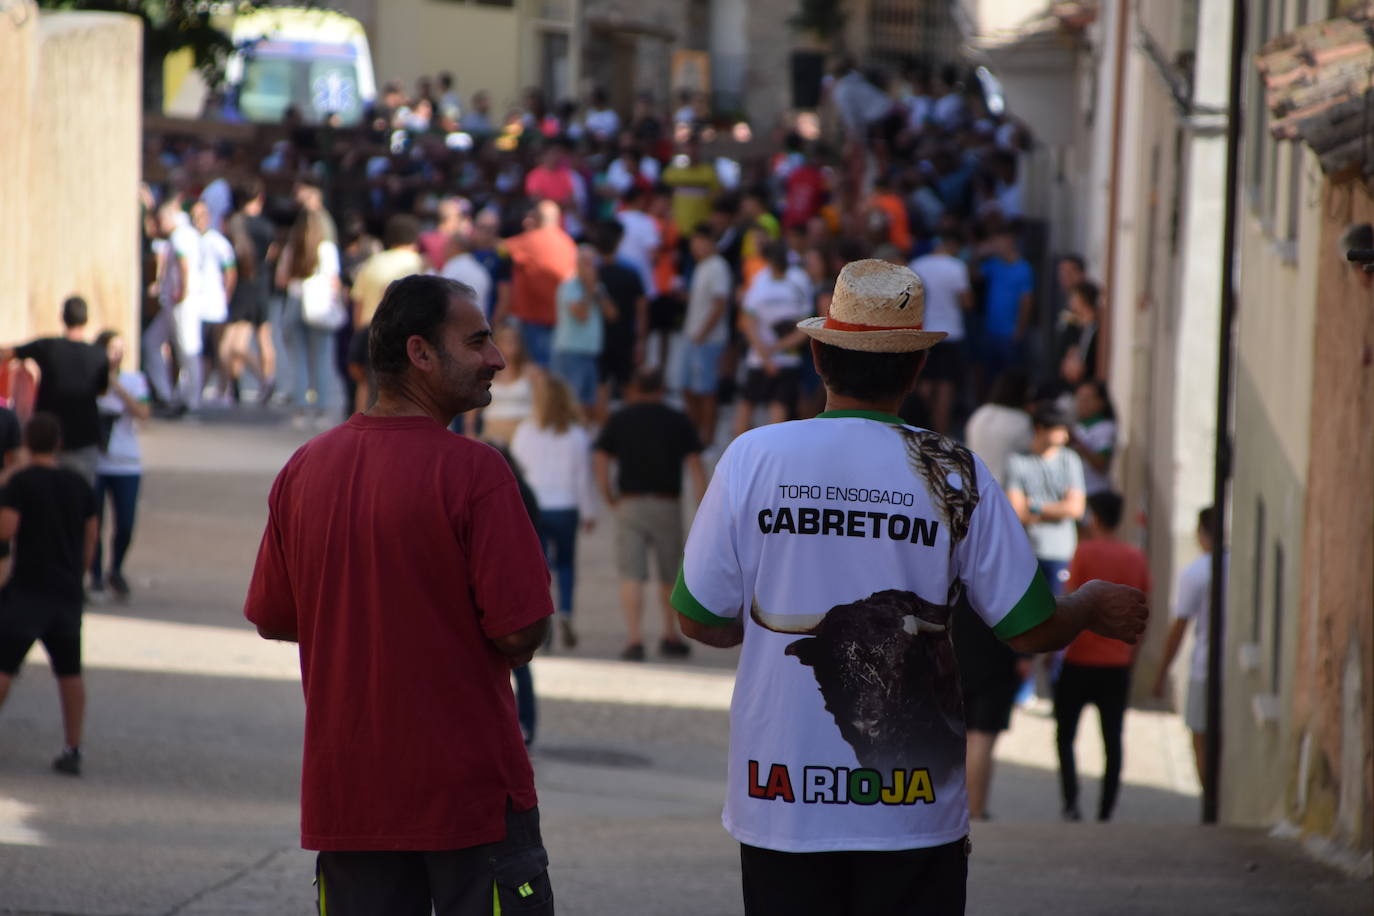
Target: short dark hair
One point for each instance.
(1048, 416)
(75, 313)
(414, 306)
(607, 236)
(704, 230)
(1100, 388)
(400, 229)
(1089, 292)
(648, 381)
(776, 254)
(1107, 506)
(1207, 519)
(43, 434)
(1075, 259)
(103, 339)
(867, 376)
(1011, 388)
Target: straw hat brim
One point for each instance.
(896, 340)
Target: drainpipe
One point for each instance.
(1106, 329)
(1222, 474)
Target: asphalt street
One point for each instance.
(188, 803)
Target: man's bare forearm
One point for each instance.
(725, 636)
(1071, 617)
(519, 646)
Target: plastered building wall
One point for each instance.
(69, 173)
(1331, 786)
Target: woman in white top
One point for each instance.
(778, 297)
(512, 391)
(310, 267)
(119, 469)
(553, 451)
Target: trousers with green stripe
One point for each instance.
(506, 877)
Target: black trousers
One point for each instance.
(908, 882)
(508, 877)
(1107, 689)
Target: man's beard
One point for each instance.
(467, 390)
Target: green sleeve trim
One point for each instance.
(862, 415)
(686, 604)
(1035, 607)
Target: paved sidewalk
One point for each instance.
(189, 802)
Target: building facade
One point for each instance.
(501, 46)
(1151, 81)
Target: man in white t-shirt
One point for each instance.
(948, 296)
(218, 271)
(641, 240)
(835, 550)
(704, 327)
(1192, 601)
(176, 246)
(466, 269)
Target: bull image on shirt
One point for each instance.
(886, 670)
(884, 664)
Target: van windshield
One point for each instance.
(317, 79)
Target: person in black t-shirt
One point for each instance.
(622, 348)
(73, 374)
(649, 441)
(49, 513)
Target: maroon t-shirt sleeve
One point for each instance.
(510, 578)
(270, 603)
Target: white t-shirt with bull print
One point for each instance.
(847, 540)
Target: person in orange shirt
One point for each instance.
(890, 203)
(1097, 669)
(542, 257)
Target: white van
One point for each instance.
(314, 59)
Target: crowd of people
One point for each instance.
(645, 293)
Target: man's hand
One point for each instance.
(1115, 611)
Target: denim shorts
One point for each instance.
(701, 367)
(579, 371)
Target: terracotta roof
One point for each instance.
(1320, 88)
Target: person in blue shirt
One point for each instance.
(1008, 285)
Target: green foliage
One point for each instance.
(824, 18)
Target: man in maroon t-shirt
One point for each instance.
(401, 559)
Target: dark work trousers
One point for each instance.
(1107, 689)
(931, 882)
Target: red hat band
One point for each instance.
(837, 325)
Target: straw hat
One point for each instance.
(878, 307)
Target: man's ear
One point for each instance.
(420, 353)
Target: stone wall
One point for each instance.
(70, 87)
